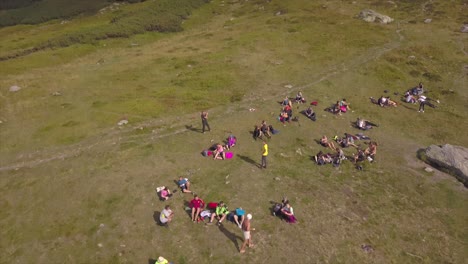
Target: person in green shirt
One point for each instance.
(264, 155)
(220, 213)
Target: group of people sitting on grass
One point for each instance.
(285, 211)
(367, 154)
(415, 95)
(286, 114)
(199, 210)
(218, 150)
(264, 130)
(343, 142)
(339, 107)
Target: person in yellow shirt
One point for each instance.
(264, 155)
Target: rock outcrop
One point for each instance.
(448, 158)
(369, 15)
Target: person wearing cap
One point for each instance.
(247, 235)
(162, 260)
(239, 216)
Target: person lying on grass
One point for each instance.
(184, 185)
(324, 142)
(364, 124)
(350, 140)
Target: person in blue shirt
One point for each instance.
(184, 185)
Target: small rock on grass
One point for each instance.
(15, 88)
(427, 20)
(122, 122)
(428, 169)
(277, 178)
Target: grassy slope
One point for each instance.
(405, 213)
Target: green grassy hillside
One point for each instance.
(77, 187)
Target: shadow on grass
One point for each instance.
(230, 235)
(190, 127)
(249, 160)
(151, 261)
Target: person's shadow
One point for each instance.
(190, 127)
(156, 215)
(151, 261)
(248, 160)
(230, 235)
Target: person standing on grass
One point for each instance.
(204, 119)
(264, 155)
(247, 235)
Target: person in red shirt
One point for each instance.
(197, 205)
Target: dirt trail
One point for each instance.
(114, 135)
(120, 134)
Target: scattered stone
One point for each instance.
(190, 65)
(367, 248)
(122, 245)
(412, 57)
(277, 179)
(289, 86)
(449, 158)
(369, 15)
(427, 20)
(122, 122)
(102, 225)
(15, 88)
(298, 151)
(1, 122)
(464, 28)
(100, 245)
(134, 44)
(278, 13)
(428, 169)
(56, 94)
(227, 182)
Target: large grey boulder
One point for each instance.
(370, 15)
(448, 158)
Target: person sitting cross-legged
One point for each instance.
(324, 142)
(288, 213)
